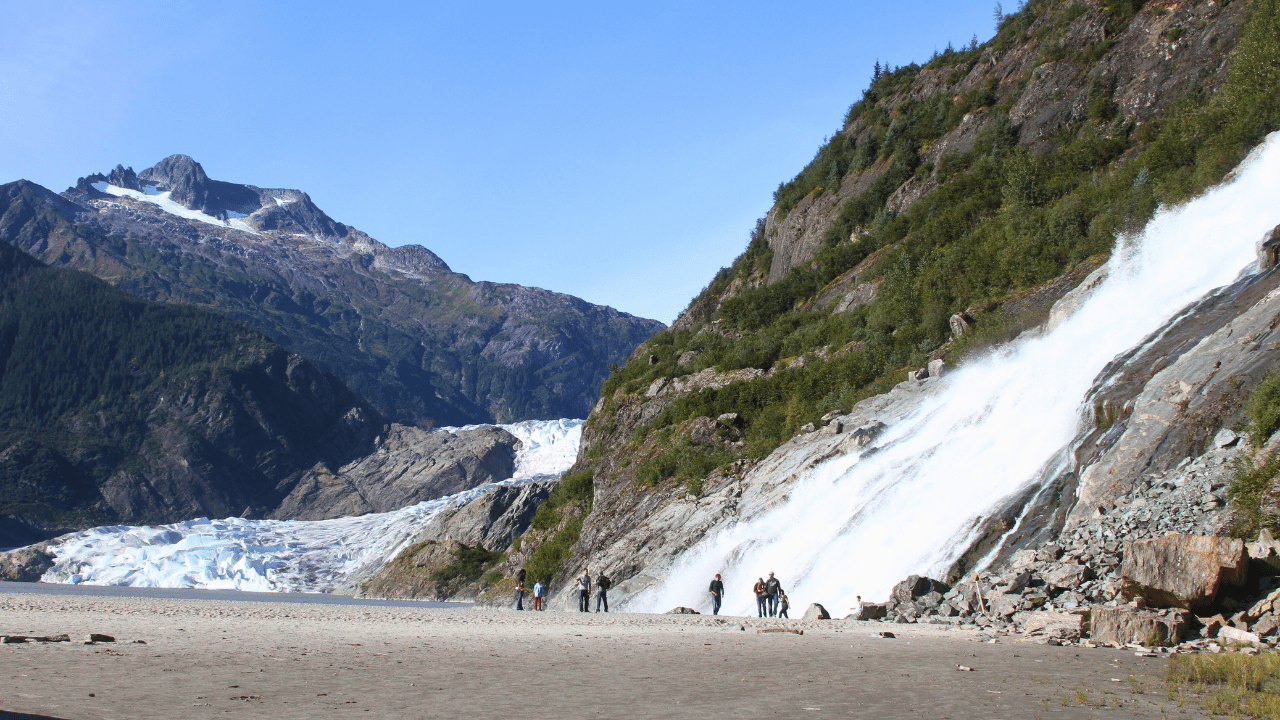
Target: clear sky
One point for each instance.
(620, 152)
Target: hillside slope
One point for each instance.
(956, 203)
(424, 344)
(113, 409)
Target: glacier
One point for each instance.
(286, 555)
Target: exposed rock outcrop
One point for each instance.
(1182, 570)
(489, 523)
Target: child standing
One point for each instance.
(537, 595)
(783, 604)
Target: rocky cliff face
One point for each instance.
(423, 343)
(487, 524)
(878, 260)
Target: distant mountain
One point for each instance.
(424, 344)
(114, 409)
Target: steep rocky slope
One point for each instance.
(422, 343)
(958, 202)
(116, 410)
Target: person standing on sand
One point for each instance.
(717, 594)
(603, 583)
(537, 595)
(783, 604)
(758, 589)
(771, 589)
(520, 594)
(584, 592)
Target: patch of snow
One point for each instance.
(286, 555)
(166, 203)
(100, 186)
(281, 202)
(233, 215)
(150, 190)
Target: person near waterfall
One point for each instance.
(584, 591)
(717, 594)
(761, 597)
(783, 605)
(603, 583)
(771, 590)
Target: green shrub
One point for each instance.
(1263, 409)
(470, 564)
(545, 562)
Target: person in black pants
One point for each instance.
(603, 583)
(772, 588)
(717, 594)
(584, 592)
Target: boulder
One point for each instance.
(1236, 635)
(959, 325)
(1182, 570)
(1225, 438)
(920, 374)
(816, 612)
(1017, 583)
(915, 586)
(1126, 624)
(1068, 576)
(1265, 625)
(937, 368)
(682, 611)
(1051, 624)
(871, 611)
(1003, 604)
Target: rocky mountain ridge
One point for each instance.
(426, 345)
(116, 410)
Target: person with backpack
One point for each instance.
(584, 591)
(538, 589)
(717, 594)
(772, 588)
(761, 597)
(603, 583)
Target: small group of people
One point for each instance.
(583, 583)
(539, 590)
(771, 601)
(603, 583)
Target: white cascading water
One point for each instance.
(856, 526)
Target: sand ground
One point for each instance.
(206, 659)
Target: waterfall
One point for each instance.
(858, 524)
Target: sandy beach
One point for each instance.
(177, 658)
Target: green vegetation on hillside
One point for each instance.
(575, 492)
(1002, 219)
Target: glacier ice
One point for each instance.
(285, 555)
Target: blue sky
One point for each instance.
(620, 152)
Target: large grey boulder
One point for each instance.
(916, 586)
(816, 612)
(1068, 576)
(490, 521)
(871, 611)
(1183, 571)
(1125, 624)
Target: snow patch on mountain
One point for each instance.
(166, 203)
(286, 555)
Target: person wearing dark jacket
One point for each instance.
(771, 589)
(584, 592)
(603, 583)
(761, 596)
(717, 594)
